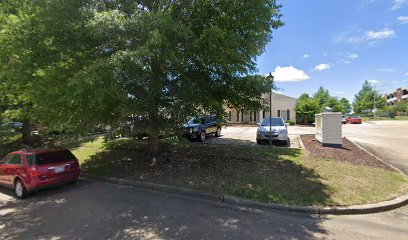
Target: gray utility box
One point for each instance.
(329, 129)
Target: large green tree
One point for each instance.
(89, 62)
(364, 99)
(346, 105)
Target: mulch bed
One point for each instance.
(349, 152)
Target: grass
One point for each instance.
(280, 175)
(397, 118)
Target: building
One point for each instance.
(399, 95)
(282, 106)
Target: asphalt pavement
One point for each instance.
(96, 210)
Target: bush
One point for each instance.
(290, 122)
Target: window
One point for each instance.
(288, 115)
(54, 157)
(250, 116)
(279, 113)
(229, 116)
(263, 113)
(255, 116)
(237, 116)
(13, 159)
(30, 159)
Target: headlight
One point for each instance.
(191, 130)
(195, 129)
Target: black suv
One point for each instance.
(199, 127)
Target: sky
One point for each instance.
(338, 44)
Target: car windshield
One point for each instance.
(275, 122)
(199, 120)
(53, 157)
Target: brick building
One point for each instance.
(399, 95)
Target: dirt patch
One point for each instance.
(349, 152)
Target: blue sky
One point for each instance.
(338, 44)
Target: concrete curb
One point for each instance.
(243, 203)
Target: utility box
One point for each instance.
(329, 129)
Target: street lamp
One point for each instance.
(270, 77)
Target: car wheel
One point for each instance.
(259, 142)
(218, 132)
(19, 189)
(202, 136)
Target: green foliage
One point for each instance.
(83, 63)
(364, 99)
(306, 109)
(307, 106)
(346, 105)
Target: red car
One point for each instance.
(30, 170)
(354, 119)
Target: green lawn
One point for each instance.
(397, 118)
(280, 175)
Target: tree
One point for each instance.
(102, 61)
(335, 105)
(323, 96)
(306, 108)
(364, 99)
(346, 105)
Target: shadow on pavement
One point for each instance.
(94, 210)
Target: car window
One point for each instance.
(53, 157)
(13, 159)
(30, 159)
(275, 122)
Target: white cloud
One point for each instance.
(352, 55)
(345, 61)
(339, 92)
(406, 74)
(306, 56)
(398, 4)
(372, 81)
(403, 19)
(386, 69)
(321, 67)
(382, 34)
(289, 74)
(357, 36)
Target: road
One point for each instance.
(95, 210)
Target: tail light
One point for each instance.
(33, 172)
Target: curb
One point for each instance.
(243, 203)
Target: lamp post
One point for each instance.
(270, 77)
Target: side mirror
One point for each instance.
(258, 124)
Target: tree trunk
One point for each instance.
(26, 131)
(153, 122)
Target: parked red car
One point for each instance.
(30, 170)
(354, 119)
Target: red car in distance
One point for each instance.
(354, 119)
(26, 171)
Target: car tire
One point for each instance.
(259, 142)
(202, 136)
(218, 132)
(19, 189)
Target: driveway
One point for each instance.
(96, 210)
(246, 135)
(386, 139)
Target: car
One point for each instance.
(27, 171)
(343, 120)
(354, 119)
(197, 128)
(12, 125)
(279, 131)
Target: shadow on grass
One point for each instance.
(275, 175)
(92, 210)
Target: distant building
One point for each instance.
(397, 96)
(282, 106)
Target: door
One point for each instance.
(8, 169)
(211, 125)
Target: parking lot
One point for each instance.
(246, 135)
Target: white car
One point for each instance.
(278, 128)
